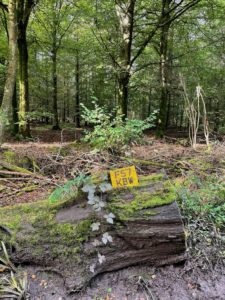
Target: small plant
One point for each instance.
(202, 204)
(111, 133)
(5, 263)
(96, 200)
(12, 286)
(68, 190)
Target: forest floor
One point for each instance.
(54, 157)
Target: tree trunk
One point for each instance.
(168, 110)
(77, 96)
(125, 14)
(164, 68)
(216, 115)
(24, 128)
(6, 107)
(55, 89)
(123, 94)
(15, 112)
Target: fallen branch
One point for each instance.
(14, 168)
(5, 230)
(3, 172)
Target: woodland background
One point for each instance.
(127, 55)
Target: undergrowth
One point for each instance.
(13, 284)
(111, 132)
(203, 206)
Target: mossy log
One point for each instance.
(148, 229)
(14, 168)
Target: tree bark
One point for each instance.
(77, 96)
(164, 37)
(55, 89)
(125, 14)
(24, 128)
(24, 9)
(123, 94)
(15, 112)
(54, 73)
(6, 107)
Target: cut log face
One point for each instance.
(147, 229)
(156, 240)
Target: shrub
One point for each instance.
(221, 130)
(111, 133)
(203, 200)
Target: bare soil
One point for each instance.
(181, 282)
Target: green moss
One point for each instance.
(9, 157)
(16, 163)
(145, 162)
(29, 188)
(2, 188)
(201, 164)
(83, 230)
(63, 151)
(142, 201)
(34, 226)
(146, 180)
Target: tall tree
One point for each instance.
(77, 94)
(24, 9)
(6, 114)
(139, 23)
(170, 11)
(56, 18)
(125, 13)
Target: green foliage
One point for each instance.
(221, 130)
(111, 133)
(5, 262)
(13, 286)
(204, 200)
(68, 190)
(30, 116)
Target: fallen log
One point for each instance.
(147, 229)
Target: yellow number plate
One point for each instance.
(125, 177)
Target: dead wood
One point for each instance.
(151, 235)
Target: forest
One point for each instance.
(112, 169)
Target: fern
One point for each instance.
(68, 190)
